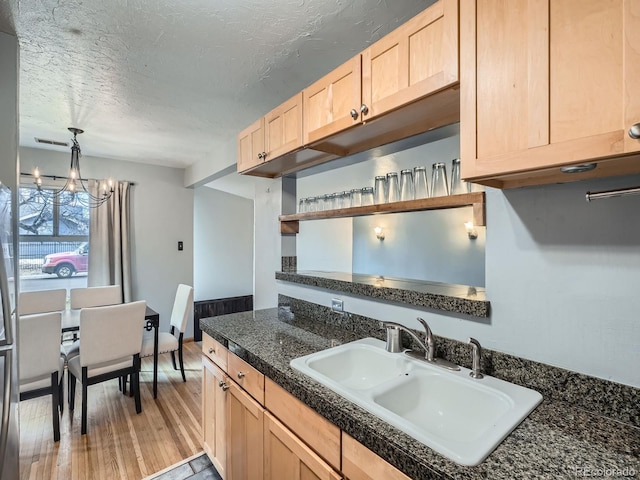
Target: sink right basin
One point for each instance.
(462, 418)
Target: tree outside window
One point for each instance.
(53, 239)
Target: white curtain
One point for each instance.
(109, 240)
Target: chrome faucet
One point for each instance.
(428, 344)
(394, 344)
(476, 370)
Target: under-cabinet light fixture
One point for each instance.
(471, 230)
(379, 233)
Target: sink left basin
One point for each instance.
(355, 366)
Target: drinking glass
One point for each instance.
(407, 189)
(421, 186)
(457, 185)
(346, 199)
(393, 189)
(313, 204)
(302, 205)
(367, 196)
(380, 189)
(356, 197)
(326, 201)
(439, 187)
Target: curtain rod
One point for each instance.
(62, 177)
(621, 192)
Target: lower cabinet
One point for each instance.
(281, 440)
(245, 420)
(360, 463)
(286, 456)
(214, 415)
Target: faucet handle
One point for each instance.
(476, 370)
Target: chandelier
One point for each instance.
(75, 190)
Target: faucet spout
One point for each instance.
(428, 341)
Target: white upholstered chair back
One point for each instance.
(42, 301)
(39, 346)
(111, 333)
(95, 296)
(181, 307)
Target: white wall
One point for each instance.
(561, 276)
(162, 215)
(223, 244)
(267, 244)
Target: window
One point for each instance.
(53, 240)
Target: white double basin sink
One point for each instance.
(462, 418)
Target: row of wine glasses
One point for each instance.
(412, 184)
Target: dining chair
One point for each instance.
(42, 301)
(40, 366)
(95, 296)
(167, 341)
(110, 348)
(90, 297)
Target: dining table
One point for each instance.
(71, 323)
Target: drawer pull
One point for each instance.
(211, 350)
(240, 375)
(224, 387)
(634, 131)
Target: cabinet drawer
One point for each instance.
(315, 430)
(215, 351)
(247, 377)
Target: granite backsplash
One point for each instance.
(611, 399)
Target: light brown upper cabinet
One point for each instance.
(251, 146)
(548, 84)
(384, 86)
(416, 59)
(332, 103)
(277, 133)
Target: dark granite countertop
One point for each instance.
(440, 296)
(557, 440)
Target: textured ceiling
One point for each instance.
(168, 82)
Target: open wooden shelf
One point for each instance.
(289, 223)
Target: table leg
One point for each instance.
(155, 360)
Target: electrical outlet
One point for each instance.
(337, 305)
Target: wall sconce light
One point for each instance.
(471, 230)
(379, 233)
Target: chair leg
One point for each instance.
(55, 401)
(173, 360)
(184, 379)
(61, 394)
(135, 378)
(72, 391)
(84, 400)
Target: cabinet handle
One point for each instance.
(220, 383)
(224, 387)
(211, 350)
(240, 375)
(634, 131)
(364, 110)
(260, 155)
(354, 113)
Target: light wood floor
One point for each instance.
(119, 443)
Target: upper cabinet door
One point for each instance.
(251, 146)
(283, 128)
(546, 84)
(332, 104)
(416, 59)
